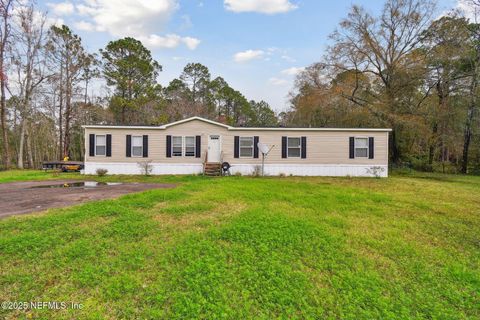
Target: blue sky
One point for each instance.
(256, 45)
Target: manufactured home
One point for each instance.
(191, 145)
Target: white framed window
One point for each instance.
(294, 147)
(246, 147)
(177, 146)
(100, 145)
(361, 147)
(189, 146)
(137, 146)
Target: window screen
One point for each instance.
(361, 147)
(189, 146)
(246, 146)
(137, 146)
(294, 147)
(100, 145)
(177, 145)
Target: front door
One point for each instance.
(214, 148)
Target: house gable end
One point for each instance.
(199, 119)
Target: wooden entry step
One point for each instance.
(212, 169)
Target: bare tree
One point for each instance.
(29, 62)
(383, 48)
(6, 8)
(472, 109)
(447, 45)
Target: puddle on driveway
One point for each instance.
(82, 184)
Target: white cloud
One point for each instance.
(85, 10)
(169, 41)
(248, 55)
(277, 81)
(467, 9)
(288, 58)
(127, 17)
(191, 43)
(62, 8)
(84, 26)
(58, 22)
(260, 6)
(141, 19)
(464, 8)
(293, 71)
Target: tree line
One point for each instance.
(404, 69)
(47, 79)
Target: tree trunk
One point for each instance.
(433, 144)
(86, 91)
(467, 137)
(393, 123)
(21, 144)
(467, 132)
(24, 113)
(60, 117)
(394, 150)
(3, 124)
(7, 7)
(68, 111)
(3, 112)
(31, 164)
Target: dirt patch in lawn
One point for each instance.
(31, 196)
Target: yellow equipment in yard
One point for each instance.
(72, 167)
(64, 166)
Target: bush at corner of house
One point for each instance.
(101, 172)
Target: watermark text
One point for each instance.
(39, 305)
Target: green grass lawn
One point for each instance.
(30, 175)
(239, 247)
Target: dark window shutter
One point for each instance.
(255, 146)
(169, 146)
(352, 147)
(371, 146)
(145, 146)
(91, 145)
(304, 147)
(284, 147)
(236, 147)
(109, 145)
(198, 146)
(129, 146)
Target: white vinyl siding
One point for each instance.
(324, 147)
(294, 149)
(361, 147)
(100, 145)
(137, 146)
(246, 147)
